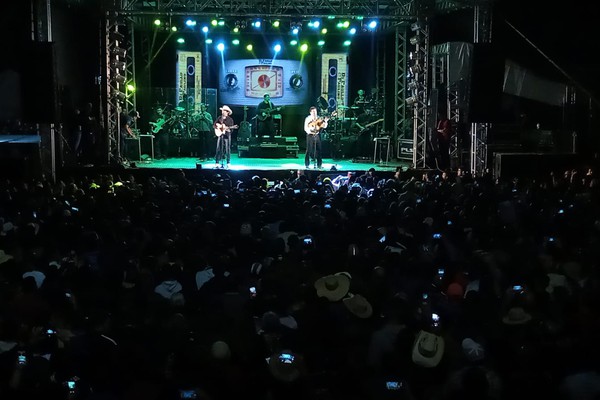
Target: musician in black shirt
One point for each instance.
(264, 115)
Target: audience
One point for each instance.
(356, 287)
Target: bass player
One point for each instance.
(159, 128)
(223, 126)
(313, 125)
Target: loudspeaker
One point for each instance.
(38, 77)
(486, 83)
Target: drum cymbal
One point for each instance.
(179, 109)
(343, 107)
(354, 108)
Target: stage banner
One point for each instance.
(334, 76)
(189, 79)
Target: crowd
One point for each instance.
(354, 287)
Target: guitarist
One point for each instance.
(313, 125)
(264, 113)
(159, 128)
(223, 126)
(126, 123)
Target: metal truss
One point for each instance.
(401, 119)
(382, 9)
(479, 146)
(419, 73)
(120, 71)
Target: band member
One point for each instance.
(264, 113)
(203, 122)
(127, 121)
(444, 136)
(313, 125)
(159, 127)
(223, 126)
(359, 104)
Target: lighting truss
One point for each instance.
(479, 147)
(421, 92)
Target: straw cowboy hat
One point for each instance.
(428, 349)
(333, 287)
(226, 108)
(358, 306)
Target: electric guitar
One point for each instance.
(221, 128)
(317, 125)
(266, 113)
(158, 125)
(367, 126)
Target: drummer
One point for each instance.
(359, 104)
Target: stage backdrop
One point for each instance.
(334, 79)
(189, 78)
(243, 82)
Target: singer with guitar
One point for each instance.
(313, 125)
(223, 126)
(264, 114)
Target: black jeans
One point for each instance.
(313, 150)
(223, 148)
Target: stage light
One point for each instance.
(214, 22)
(352, 31)
(372, 25)
(130, 87)
(257, 24)
(347, 42)
(236, 30)
(415, 26)
(118, 65)
(321, 43)
(180, 40)
(173, 29)
(114, 35)
(296, 27)
(346, 24)
(249, 47)
(119, 78)
(303, 47)
(360, 17)
(119, 52)
(340, 25)
(414, 40)
(190, 22)
(293, 42)
(412, 85)
(208, 41)
(324, 31)
(221, 46)
(119, 96)
(295, 31)
(331, 17)
(205, 29)
(235, 42)
(157, 22)
(277, 48)
(221, 22)
(275, 24)
(411, 101)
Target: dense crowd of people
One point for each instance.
(447, 286)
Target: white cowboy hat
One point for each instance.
(358, 306)
(226, 108)
(428, 349)
(333, 287)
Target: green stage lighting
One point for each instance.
(249, 47)
(157, 22)
(347, 42)
(303, 47)
(293, 42)
(321, 43)
(180, 40)
(235, 42)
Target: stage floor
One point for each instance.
(264, 164)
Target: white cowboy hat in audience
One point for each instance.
(333, 287)
(428, 349)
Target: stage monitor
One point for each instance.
(244, 82)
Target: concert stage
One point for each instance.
(268, 164)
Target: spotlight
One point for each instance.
(180, 40)
(324, 31)
(119, 78)
(214, 22)
(295, 31)
(293, 42)
(208, 41)
(190, 22)
(275, 24)
(346, 24)
(235, 42)
(277, 48)
(415, 26)
(257, 24)
(173, 29)
(157, 22)
(249, 47)
(130, 87)
(114, 35)
(414, 40)
(296, 27)
(221, 46)
(411, 101)
(303, 47)
(118, 65)
(205, 29)
(119, 52)
(352, 31)
(347, 43)
(221, 22)
(236, 30)
(321, 43)
(372, 25)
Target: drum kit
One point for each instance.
(350, 120)
(181, 123)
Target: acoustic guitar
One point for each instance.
(267, 112)
(318, 124)
(221, 128)
(245, 126)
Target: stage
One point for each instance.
(268, 164)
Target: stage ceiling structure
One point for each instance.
(407, 19)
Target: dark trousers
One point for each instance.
(223, 149)
(313, 150)
(162, 145)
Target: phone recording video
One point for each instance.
(226, 205)
(393, 385)
(437, 235)
(308, 240)
(188, 394)
(327, 205)
(382, 239)
(441, 271)
(286, 358)
(252, 291)
(22, 359)
(71, 385)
